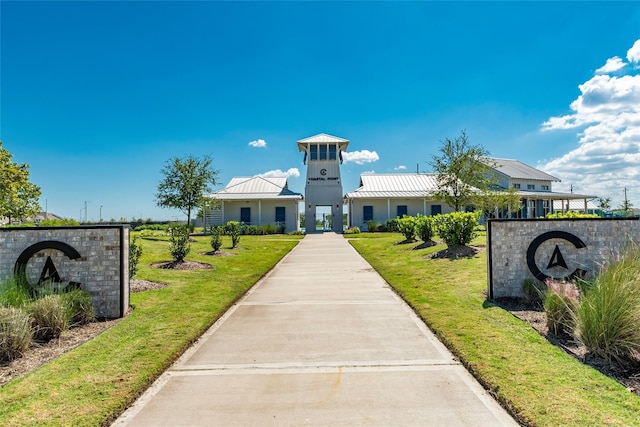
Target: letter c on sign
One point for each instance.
(535, 244)
(21, 264)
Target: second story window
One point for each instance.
(332, 152)
(323, 152)
(516, 186)
(531, 187)
(545, 187)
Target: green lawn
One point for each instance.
(539, 383)
(94, 383)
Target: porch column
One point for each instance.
(259, 212)
(388, 208)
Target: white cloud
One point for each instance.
(277, 173)
(633, 54)
(606, 116)
(360, 157)
(612, 65)
(400, 168)
(259, 143)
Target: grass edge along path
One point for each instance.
(538, 383)
(94, 383)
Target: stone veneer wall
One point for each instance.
(102, 268)
(545, 240)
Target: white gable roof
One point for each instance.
(394, 185)
(518, 170)
(256, 187)
(574, 205)
(323, 138)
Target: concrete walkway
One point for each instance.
(321, 340)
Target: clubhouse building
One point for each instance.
(259, 200)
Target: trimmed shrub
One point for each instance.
(15, 333)
(233, 229)
(135, 252)
(79, 305)
(49, 317)
(570, 214)
(609, 314)
(179, 242)
(372, 226)
(407, 226)
(457, 228)
(392, 225)
(425, 228)
(560, 303)
(216, 237)
(352, 230)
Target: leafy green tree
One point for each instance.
(463, 170)
(604, 203)
(185, 183)
(179, 242)
(626, 207)
(496, 201)
(18, 196)
(232, 228)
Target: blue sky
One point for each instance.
(97, 96)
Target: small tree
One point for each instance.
(216, 238)
(179, 240)
(18, 196)
(135, 252)
(604, 203)
(462, 170)
(626, 207)
(496, 201)
(233, 229)
(185, 183)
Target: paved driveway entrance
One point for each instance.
(318, 343)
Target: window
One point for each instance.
(367, 213)
(401, 210)
(531, 187)
(516, 186)
(545, 187)
(313, 148)
(245, 215)
(323, 152)
(332, 152)
(545, 207)
(436, 209)
(280, 214)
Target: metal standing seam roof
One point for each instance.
(256, 187)
(323, 138)
(395, 185)
(574, 205)
(518, 170)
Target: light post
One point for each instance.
(100, 213)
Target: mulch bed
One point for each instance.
(181, 265)
(628, 375)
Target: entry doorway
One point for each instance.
(323, 218)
